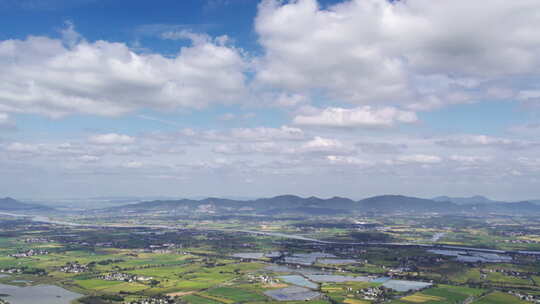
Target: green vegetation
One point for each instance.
(235, 294)
(499, 298)
(194, 299)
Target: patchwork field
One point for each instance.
(499, 298)
(442, 294)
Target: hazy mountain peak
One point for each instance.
(476, 199)
(11, 204)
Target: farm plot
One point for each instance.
(236, 294)
(443, 294)
(499, 298)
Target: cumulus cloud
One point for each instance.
(111, 139)
(57, 77)
(321, 142)
(412, 52)
(407, 53)
(365, 116)
(323, 145)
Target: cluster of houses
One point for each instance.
(11, 270)
(525, 297)
(74, 267)
(396, 270)
(518, 241)
(104, 244)
(262, 278)
(165, 248)
(29, 253)
(513, 233)
(512, 273)
(372, 293)
(118, 276)
(155, 300)
(36, 240)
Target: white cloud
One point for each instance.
(529, 95)
(365, 116)
(265, 134)
(527, 129)
(323, 145)
(50, 77)
(420, 159)
(111, 139)
(470, 159)
(23, 147)
(370, 51)
(88, 158)
(321, 142)
(234, 135)
(133, 165)
(347, 160)
(5, 120)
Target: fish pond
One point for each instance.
(336, 261)
(404, 286)
(325, 278)
(42, 294)
(249, 255)
(298, 280)
(292, 294)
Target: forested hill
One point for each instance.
(10, 204)
(291, 204)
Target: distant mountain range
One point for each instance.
(285, 205)
(295, 205)
(477, 199)
(10, 204)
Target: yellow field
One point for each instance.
(530, 238)
(421, 298)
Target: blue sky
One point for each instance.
(258, 98)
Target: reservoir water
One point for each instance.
(42, 294)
